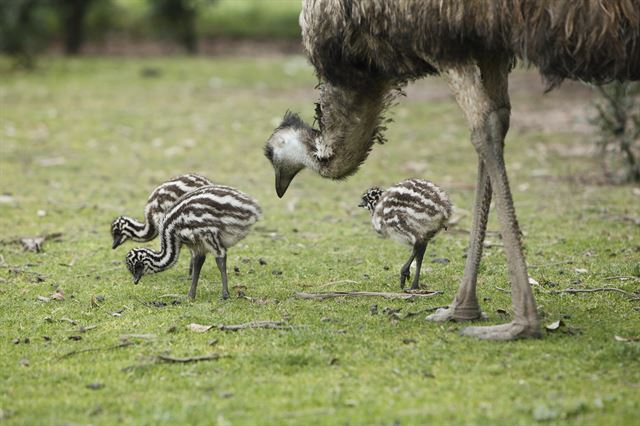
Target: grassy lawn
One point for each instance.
(84, 141)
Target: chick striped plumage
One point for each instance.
(411, 212)
(159, 202)
(210, 219)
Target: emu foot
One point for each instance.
(225, 295)
(457, 313)
(509, 331)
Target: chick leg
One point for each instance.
(197, 261)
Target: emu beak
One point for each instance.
(117, 241)
(362, 204)
(283, 180)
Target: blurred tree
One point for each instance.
(178, 18)
(24, 29)
(72, 16)
(618, 122)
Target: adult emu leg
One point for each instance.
(481, 90)
(197, 260)
(465, 306)
(222, 266)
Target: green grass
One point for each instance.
(272, 19)
(115, 134)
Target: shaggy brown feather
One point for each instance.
(353, 43)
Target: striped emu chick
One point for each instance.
(160, 201)
(210, 219)
(411, 212)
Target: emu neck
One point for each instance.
(350, 122)
(168, 254)
(142, 232)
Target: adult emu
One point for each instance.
(364, 49)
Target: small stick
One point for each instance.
(210, 357)
(590, 290)
(621, 278)
(333, 294)
(255, 324)
(104, 348)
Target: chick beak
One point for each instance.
(362, 204)
(117, 241)
(136, 277)
(283, 180)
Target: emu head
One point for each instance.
(139, 263)
(289, 149)
(119, 231)
(370, 198)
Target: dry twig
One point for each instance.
(103, 348)
(254, 324)
(171, 359)
(590, 290)
(334, 294)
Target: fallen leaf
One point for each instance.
(199, 328)
(42, 213)
(555, 325)
(580, 270)
(43, 299)
(626, 339)
(533, 281)
(33, 244)
(76, 338)
(58, 295)
(409, 341)
(442, 260)
(24, 362)
(373, 309)
(262, 262)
